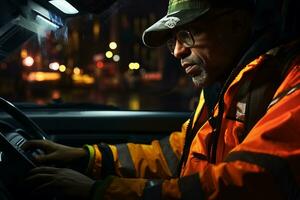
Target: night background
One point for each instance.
(99, 59)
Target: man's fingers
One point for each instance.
(47, 159)
(37, 180)
(36, 144)
(43, 170)
(45, 189)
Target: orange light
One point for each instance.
(84, 79)
(24, 53)
(43, 76)
(96, 29)
(76, 71)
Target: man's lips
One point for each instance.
(193, 70)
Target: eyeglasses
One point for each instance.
(186, 38)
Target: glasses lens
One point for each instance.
(186, 38)
(171, 44)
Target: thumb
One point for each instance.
(46, 159)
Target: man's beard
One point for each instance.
(200, 80)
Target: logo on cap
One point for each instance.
(171, 22)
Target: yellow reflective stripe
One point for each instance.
(169, 155)
(199, 107)
(126, 168)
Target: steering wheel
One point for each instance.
(32, 130)
(14, 162)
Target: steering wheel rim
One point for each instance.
(32, 130)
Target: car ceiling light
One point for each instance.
(39, 18)
(64, 6)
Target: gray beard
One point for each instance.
(200, 80)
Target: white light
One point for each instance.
(54, 66)
(64, 6)
(116, 58)
(28, 61)
(113, 45)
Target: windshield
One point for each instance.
(99, 59)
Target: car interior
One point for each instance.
(21, 20)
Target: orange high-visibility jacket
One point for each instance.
(264, 165)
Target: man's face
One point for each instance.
(217, 43)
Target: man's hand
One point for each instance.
(55, 154)
(58, 182)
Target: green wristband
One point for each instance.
(91, 152)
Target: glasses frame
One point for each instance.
(176, 36)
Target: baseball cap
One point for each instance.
(181, 12)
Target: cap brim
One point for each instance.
(157, 34)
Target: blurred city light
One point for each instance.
(43, 76)
(113, 45)
(83, 79)
(62, 68)
(96, 29)
(55, 94)
(28, 61)
(76, 71)
(54, 66)
(24, 53)
(109, 54)
(134, 102)
(98, 56)
(134, 66)
(100, 64)
(152, 76)
(116, 58)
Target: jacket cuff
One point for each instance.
(99, 187)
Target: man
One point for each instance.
(242, 142)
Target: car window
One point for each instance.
(99, 59)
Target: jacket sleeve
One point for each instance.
(264, 166)
(156, 160)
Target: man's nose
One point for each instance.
(180, 51)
